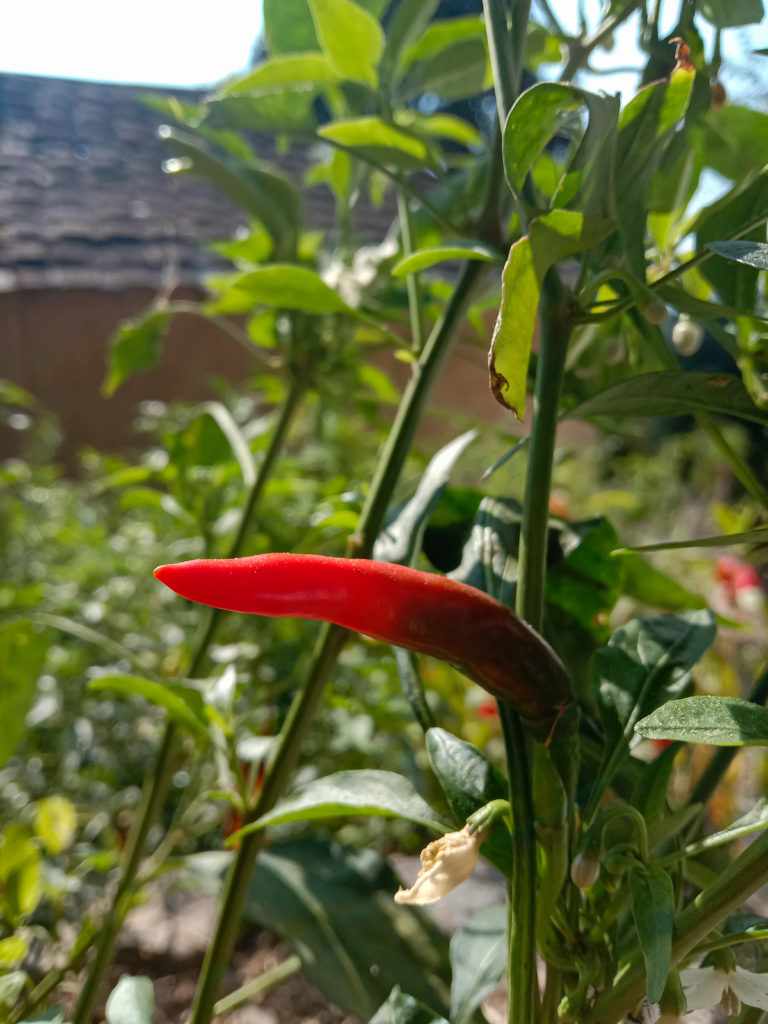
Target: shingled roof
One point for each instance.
(84, 199)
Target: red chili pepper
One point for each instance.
(421, 611)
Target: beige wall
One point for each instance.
(54, 344)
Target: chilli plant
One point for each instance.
(622, 297)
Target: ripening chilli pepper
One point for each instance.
(421, 611)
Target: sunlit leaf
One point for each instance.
(296, 69)
(440, 254)
(720, 721)
(131, 1001)
(183, 704)
(378, 140)
(282, 286)
(135, 345)
(23, 648)
(55, 822)
(367, 793)
(754, 254)
(350, 36)
(552, 237)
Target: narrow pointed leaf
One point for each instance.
(653, 909)
(670, 393)
(183, 704)
(753, 254)
(478, 959)
(442, 253)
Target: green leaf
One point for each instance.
(753, 254)
(734, 141)
(23, 647)
(408, 22)
(719, 721)
(11, 987)
(351, 38)
(335, 907)
(441, 126)
(646, 128)
(183, 704)
(21, 876)
(12, 951)
(275, 112)
(587, 583)
(441, 253)
(646, 663)
(653, 909)
(267, 196)
(135, 345)
(400, 1008)
(288, 27)
(440, 35)
(671, 393)
(650, 585)
(469, 781)
(732, 13)
(735, 283)
(757, 536)
(454, 73)
(400, 540)
(131, 1001)
(55, 823)
(478, 959)
(364, 793)
(284, 286)
(543, 111)
(755, 820)
(300, 70)
(378, 140)
(552, 237)
(538, 114)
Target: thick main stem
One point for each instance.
(554, 335)
(155, 792)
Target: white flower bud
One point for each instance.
(687, 336)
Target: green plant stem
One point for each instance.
(288, 410)
(260, 984)
(330, 641)
(412, 282)
(411, 409)
(507, 30)
(522, 979)
(556, 325)
(743, 877)
(579, 50)
(155, 791)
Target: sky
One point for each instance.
(152, 42)
(199, 42)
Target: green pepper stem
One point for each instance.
(154, 793)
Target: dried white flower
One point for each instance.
(445, 863)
